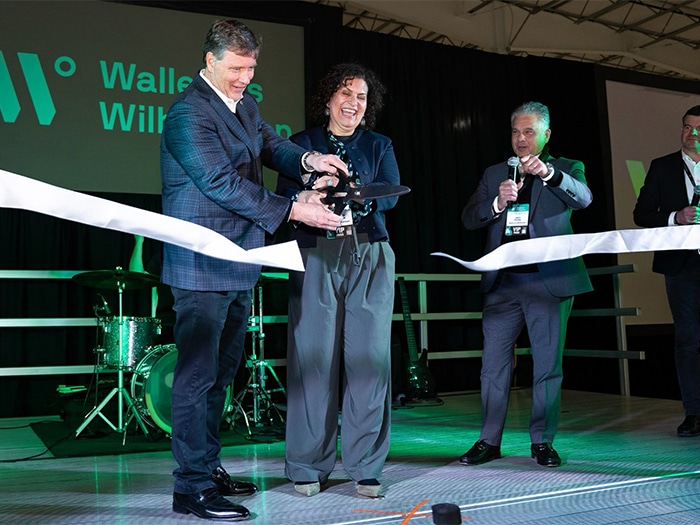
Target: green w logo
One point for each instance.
(38, 90)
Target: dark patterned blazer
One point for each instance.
(211, 169)
(550, 215)
(372, 156)
(664, 191)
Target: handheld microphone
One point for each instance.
(696, 196)
(513, 163)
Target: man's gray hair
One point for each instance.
(532, 108)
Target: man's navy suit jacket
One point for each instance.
(550, 215)
(211, 169)
(663, 193)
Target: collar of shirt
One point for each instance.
(690, 162)
(694, 171)
(228, 101)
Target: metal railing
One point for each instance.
(423, 317)
(620, 352)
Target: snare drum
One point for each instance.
(138, 334)
(152, 386)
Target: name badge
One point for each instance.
(345, 228)
(517, 219)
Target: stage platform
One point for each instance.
(622, 463)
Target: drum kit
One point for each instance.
(129, 347)
(122, 352)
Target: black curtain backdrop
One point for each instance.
(32, 241)
(448, 114)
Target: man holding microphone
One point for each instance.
(539, 296)
(669, 197)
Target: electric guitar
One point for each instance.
(420, 380)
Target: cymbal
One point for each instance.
(115, 279)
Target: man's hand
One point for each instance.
(507, 192)
(533, 164)
(688, 215)
(316, 215)
(310, 197)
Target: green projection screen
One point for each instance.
(85, 86)
(645, 123)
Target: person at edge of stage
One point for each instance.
(532, 197)
(213, 147)
(339, 329)
(668, 198)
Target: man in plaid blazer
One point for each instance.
(213, 147)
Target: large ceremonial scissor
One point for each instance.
(346, 191)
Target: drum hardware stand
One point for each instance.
(264, 411)
(119, 390)
(234, 407)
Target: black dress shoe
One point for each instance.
(210, 505)
(690, 427)
(229, 487)
(481, 452)
(545, 454)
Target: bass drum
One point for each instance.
(152, 386)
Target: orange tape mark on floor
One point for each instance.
(407, 515)
(413, 513)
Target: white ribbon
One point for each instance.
(21, 192)
(545, 249)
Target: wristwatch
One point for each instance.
(550, 171)
(304, 160)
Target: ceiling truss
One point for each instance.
(656, 37)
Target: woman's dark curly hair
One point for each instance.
(338, 76)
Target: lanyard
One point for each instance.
(695, 192)
(687, 172)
